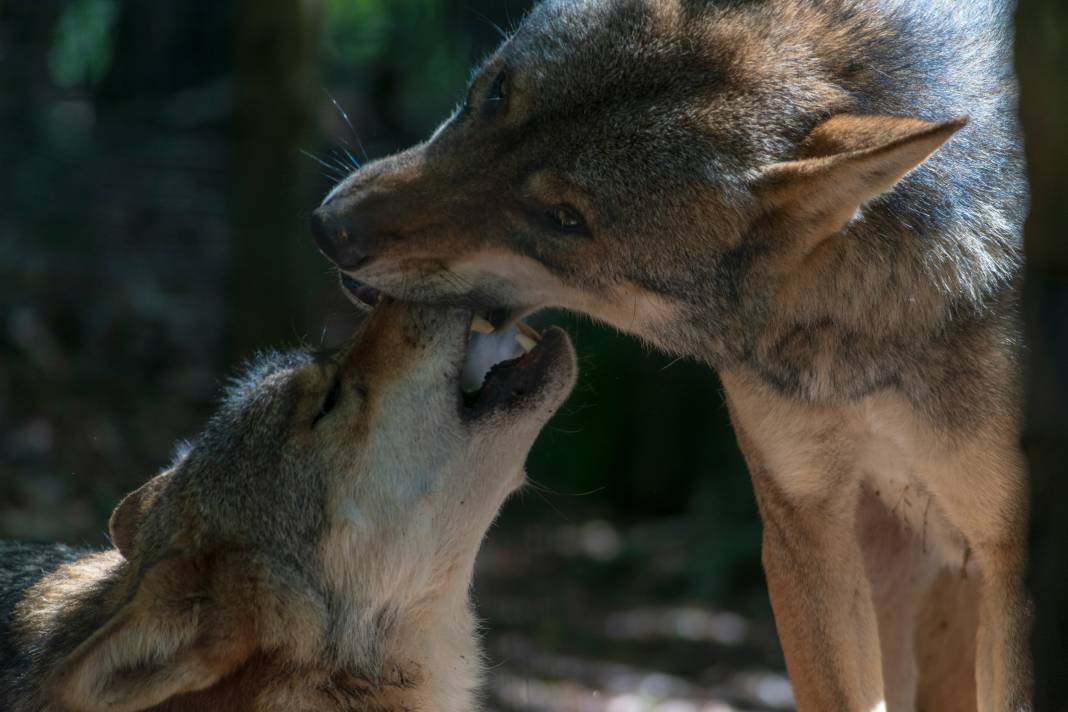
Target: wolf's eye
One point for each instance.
(496, 102)
(566, 218)
(330, 402)
(499, 89)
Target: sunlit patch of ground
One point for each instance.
(563, 633)
(534, 679)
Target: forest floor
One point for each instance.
(556, 639)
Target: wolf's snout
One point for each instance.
(344, 240)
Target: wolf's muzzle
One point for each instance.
(342, 240)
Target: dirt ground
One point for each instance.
(564, 633)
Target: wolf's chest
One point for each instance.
(835, 455)
(894, 462)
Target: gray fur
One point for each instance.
(661, 131)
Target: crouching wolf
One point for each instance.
(821, 199)
(312, 549)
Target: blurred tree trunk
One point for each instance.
(1043, 59)
(26, 33)
(274, 261)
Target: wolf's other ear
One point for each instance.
(845, 162)
(170, 638)
(126, 520)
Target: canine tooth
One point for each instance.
(526, 342)
(481, 326)
(528, 331)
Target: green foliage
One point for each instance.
(410, 37)
(356, 31)
(82, 49)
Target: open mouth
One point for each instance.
(507, 363)
(507, 366)
(359, 293)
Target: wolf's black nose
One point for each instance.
(338, 239)
(321, 233)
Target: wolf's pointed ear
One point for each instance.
(126, 520)
(170, 638)
(846, 161)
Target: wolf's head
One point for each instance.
(667, 166)
(330, 514)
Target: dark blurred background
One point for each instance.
(158, 161)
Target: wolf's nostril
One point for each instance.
(321, 232)
(344, 241)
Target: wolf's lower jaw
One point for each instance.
(360, 294)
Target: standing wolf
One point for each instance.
(823, 200)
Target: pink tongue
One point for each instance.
(484, 351)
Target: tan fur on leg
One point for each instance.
(901, 571)
(822, 602)
(945, 645)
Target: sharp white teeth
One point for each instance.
(526, 342)
(484, 351)
(481, 326)
(488, 346)
(528, 331)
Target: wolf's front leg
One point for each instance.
(980, 483)
(901, 572)
(945, 645)
(1003, 661)
(803, 463)
(821, 598)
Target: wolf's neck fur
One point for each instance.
(422, 650)
(444, 663)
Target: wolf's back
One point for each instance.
(21, 566)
